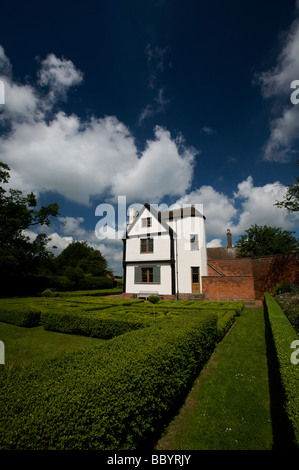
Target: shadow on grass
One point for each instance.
(283, 434)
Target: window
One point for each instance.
(195, 275)
(146, 222)
(146, 245)
(194, 242)
(147, 275)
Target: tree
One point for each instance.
(264, 240)
(74, 274)
(291, 199)
(18, 213)
(81, 255)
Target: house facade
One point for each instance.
(164, 253)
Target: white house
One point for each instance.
(164, 253)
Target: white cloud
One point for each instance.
(79, 159)
(276, 84)
(215, 243)
(59, 75)
(163, 168)
(5, 65)
(249, 205)
(258, 206)
(207, 130)
(218, 209)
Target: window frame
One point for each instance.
(194, 243)
(146, 222)
(148, 241)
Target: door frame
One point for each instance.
(195, 286)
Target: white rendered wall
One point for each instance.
(164, 288)
(161, 249)
(185, 257)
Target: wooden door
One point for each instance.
(195, 279)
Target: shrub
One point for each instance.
(88, 323)
(281, 287)
(49, 293)
(19, 315)
(112, 396)
(283, 336)
(93, 282)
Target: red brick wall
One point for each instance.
(228, 287)
(231, 267)
(270, 270)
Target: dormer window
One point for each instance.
(146, 222)
(146, 245)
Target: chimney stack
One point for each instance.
(229, 238)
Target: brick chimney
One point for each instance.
(229, 238)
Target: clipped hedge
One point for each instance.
(283, 336)
(88, 324)
(111, 396)
(20, 315)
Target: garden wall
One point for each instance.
(228, 287)
(246, 278)
(270, 270)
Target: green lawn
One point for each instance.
(24, 346)
(229, 404)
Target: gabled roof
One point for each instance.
(163, 216)
(181, 213)
(155, 214)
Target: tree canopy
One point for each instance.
(18, 213)
(79, 257)
(264, 240)
(291, 199)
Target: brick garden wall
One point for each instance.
(270, 270)
(228, 287)
(230, 267)
(264, 274)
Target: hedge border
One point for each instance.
(112, 396)
(283, 336)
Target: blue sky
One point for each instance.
(159, 101)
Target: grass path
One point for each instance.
(25, 346)
(228, 407)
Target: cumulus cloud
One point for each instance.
(275, 84)
(165, 167)
(59, 75)
(218, 209)
(80, 159)
(249, 205)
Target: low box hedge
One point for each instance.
(89, 323)
(19, 315)
(283, 336)
(112, 396)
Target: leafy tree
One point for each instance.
(291, 199)
(74, 274)
(264, 240)
(18, 213)
(81, 255)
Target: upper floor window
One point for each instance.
(146, 222)
(146, 245)
(194, 242)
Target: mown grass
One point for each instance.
(228, 407)
(26, 346)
